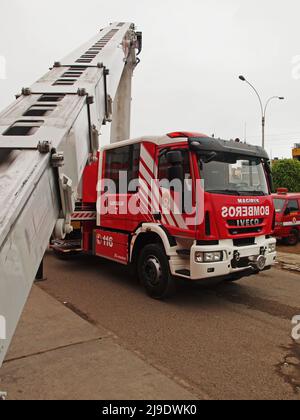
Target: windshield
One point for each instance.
(227, 174)
(279, 205)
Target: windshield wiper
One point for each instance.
(224, 192)
(252, 192)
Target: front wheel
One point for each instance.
(154, 272)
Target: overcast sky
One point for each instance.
(192, 55)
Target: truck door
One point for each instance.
(292, 212)
(177, 207)
(121, 168)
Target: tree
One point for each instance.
(286, 174)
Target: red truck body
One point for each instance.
(224, 231)
(287, 207)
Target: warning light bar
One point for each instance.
(186, 134)
(282, 191)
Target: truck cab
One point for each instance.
(180, 205)
(287, 207)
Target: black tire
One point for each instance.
(293, 239)
(154, 272)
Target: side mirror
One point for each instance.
(175, 161)
(174, 157)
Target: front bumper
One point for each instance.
(229, 265)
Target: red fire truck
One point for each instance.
(224, 233)
(287, 207)
(49, 161)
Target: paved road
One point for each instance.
(231, 341)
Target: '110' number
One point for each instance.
(105, 241)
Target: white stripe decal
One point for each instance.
(291, 224)
(144, 189)
(145, 209)
(155, 195)
(147, 158)
(176, 214)
(146, 174)
(151, 192)
(84, 216)
(149, 162)
(144, 193)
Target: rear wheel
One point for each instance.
(154, 272)
(293, 238)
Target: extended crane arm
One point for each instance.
(47, 137)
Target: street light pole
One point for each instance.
(263, 125)
(263, 109)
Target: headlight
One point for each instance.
(272, 248)
(199, 257)
(208, 257)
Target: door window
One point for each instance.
(122, 167)
(293, 206)
(184, 195)
(163, 167)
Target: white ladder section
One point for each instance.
(47, 137)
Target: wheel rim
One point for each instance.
(293, 239)
(152, 271)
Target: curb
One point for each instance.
(289, 262)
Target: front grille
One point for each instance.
(244, 242)
(242, 231)
(235, 222)
(207, 243)
(245, 226)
